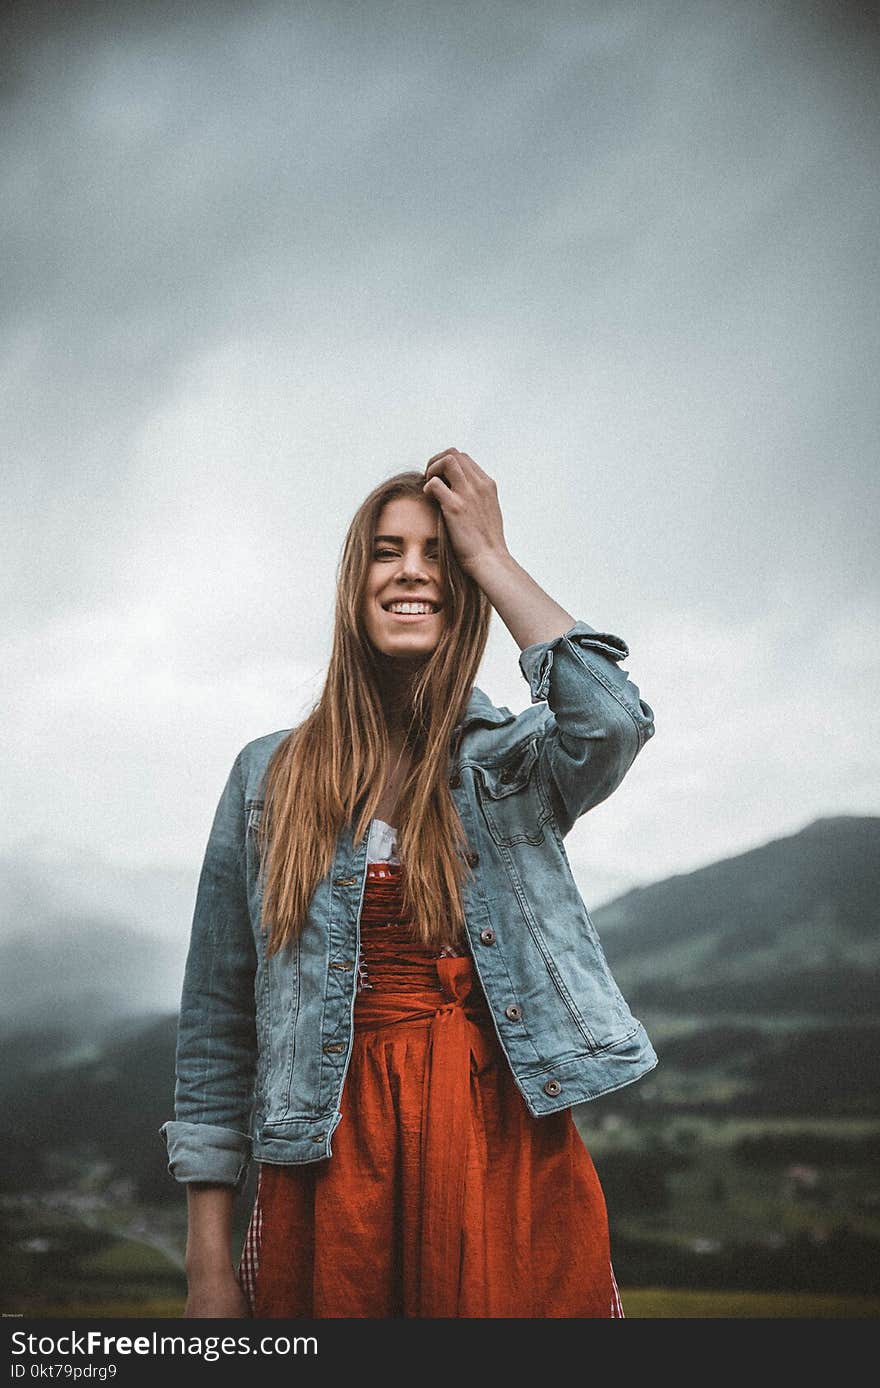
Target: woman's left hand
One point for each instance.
(468, 499)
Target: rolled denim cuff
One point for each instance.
(204, 1152)
(536, 661)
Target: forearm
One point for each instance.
(528, 612)
(209, 1231)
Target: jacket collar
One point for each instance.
(480, 709)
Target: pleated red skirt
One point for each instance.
(444, 1196)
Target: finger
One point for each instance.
(477, 469)
(436, 490)
(451, 473)
(439, 490)
(437, 476)
(435, 457)
(465, 463)
(435, 468)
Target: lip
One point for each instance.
(410, 616)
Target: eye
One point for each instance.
(390, 553)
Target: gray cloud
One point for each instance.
(258, 257)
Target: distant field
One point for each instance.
(642, 1304)
(649, 1303)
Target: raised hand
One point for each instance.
(468, 500)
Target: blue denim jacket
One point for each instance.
(263, 1045)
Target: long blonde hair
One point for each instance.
(330, 770)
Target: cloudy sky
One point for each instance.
(256, 257)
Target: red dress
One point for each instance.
(444, 1196)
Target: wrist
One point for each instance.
(489, 564)
(209, 1267)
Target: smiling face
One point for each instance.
(405, 569)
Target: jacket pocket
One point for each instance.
(511, 797)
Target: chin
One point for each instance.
(404, 650)
(408, 652)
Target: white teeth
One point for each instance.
(410, 607)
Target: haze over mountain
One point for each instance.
(83, 939)
(82, 973)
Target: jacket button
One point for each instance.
(507, 774)
(342, 964)
(552, 1087)
(514, 1013)
(454, 781)
(488, 936)
(319, 1137)
(472, 858)
(333, 1046)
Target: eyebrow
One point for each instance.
(398, 539)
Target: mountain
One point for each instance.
(67, 1102)
(787, 929)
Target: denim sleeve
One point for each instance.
(597, 723)
(209, 1137)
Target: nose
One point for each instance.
(412, 566)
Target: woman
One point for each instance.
(389, 950)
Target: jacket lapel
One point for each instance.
(480, 709)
